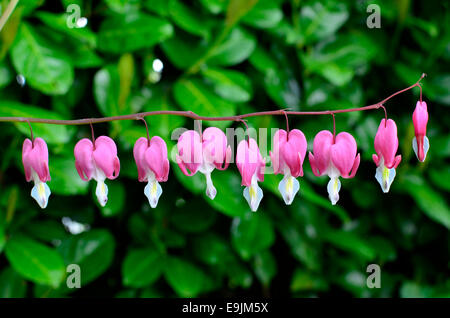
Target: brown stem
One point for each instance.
(192, 115)
(146, 127)
(92, 134)
(31, 134)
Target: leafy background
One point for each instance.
(224, 57)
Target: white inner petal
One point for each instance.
(40, 191)
(384, 176)
(288, 188)
(210, 189)
(333, 187)
(152, 190)
(426, 146)
(253, 194)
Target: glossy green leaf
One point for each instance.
(142, 267)
(116, 199)
(187, 18)
(265, 14)
(251, 234)
(265, 267)
(231, 85)
(193, 95)
(428, 200)
(93, 251)
(40, 62)
(65, 178)
(12, 285)
(130, 33)
(238, 46)
(184, 277)
(35, 261)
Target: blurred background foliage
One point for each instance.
(219, 58)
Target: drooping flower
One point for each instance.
(203, 154)
(420, 142)
(152, 165)
(289, 151)
(98, 163)
(335, 158)
(35, 164)
(251, 166)
(386, 145)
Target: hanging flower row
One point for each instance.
(333, 155)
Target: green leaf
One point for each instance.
(193, 95)
(184, 277)
(349, 241)
(35, 261)
(141, 267)
(11, 284)
(229, 199)
(319, 20)
(50, 133)
(414, 290)
(237, 9)
(231, 85)
(265, 14)
(121, 34)
(193, 217)
(58, 22)
(303, 281)
(428, 200)
(116, 199)
(212, 249)
(215, 6)
(107, 89)
(236, 48)
(65, 178)
(251, 234)
(93, 251)
(338, 60)
(183, 51)
(188, 19)
(40, 62)
(48, 230)
(265, 267)
(441, 177)
(6, 75)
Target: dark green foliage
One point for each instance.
(221, 58)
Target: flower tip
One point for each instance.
(153, 192)
(253, 194)
(102, 193)
(288, 188)
(41, 193)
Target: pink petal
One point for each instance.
(386, 142)
(139, 149)
(190, 151)
(279, 139)
(420, 120)
(105, 157)
(249, 161)
(321, 148)
(35, 156)
(294, 151)
(343, 153)
(83, 158)
(156, 158)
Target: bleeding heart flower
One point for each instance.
(153, 166)
(420, 142)
(386, 145)
(203, 154)
(98, 163)
(251, 166)
(35, 164)
(334, 158)
(287, 158)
